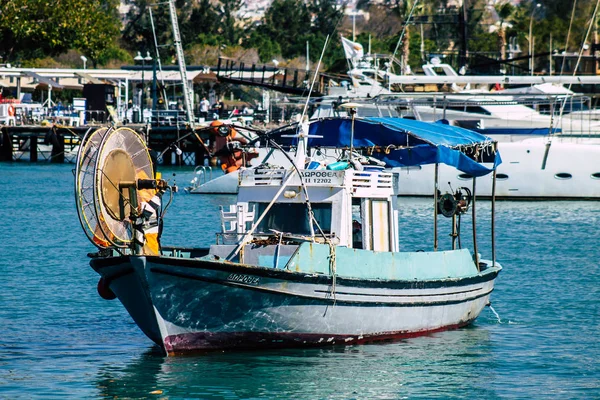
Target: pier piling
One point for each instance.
(6, 146)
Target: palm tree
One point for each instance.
(505, 12)
(404, 8)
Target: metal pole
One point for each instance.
(493, 218)
(531, 38)
(463, 47)
(435, 209)
(353, 112)
(550, 56)
(143, 92)
(454, 232)
(307, 57)
(476, 255)
(154, 96)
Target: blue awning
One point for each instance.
(403, 142)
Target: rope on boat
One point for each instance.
(311, 215)
(332, 268)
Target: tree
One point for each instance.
(202, 26)
(404, 9)
(287, 22)
(227, 24)
(505, 12)
(327, 16)
(138, 35)
(36, 29)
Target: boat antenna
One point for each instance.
(157, 55)
(314, 79)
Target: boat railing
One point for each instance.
(263, 238)
(235, 221)
(202, 174)
(372, 183)
(262, 177)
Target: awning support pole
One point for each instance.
(435, 208)
(474, 217)
(494, 214)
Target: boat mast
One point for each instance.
(159, 63)
(187, 95)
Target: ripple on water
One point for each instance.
(58, 338)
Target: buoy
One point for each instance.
(104, 291)
(11, 111)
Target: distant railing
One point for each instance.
(96, 116)
(168, 118)
(285, 80)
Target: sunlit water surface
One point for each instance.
(58, 338)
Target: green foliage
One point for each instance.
(286, 22)
(267, 48)
(36, 28)
(35, 31)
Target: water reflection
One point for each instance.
(445, 364)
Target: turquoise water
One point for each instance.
(59, 339)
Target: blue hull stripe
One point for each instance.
(330, 300)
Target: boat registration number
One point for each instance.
(249, 280)
(323, 177)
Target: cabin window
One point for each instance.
(596, 175)
(371, 224)
(380, 225)
(465, 177)
(501, 177)
(357, 231)
(293, 218)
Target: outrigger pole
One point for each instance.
(475, 255)
(435, 208)
(494, 212)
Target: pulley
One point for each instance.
(447, 205)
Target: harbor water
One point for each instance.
(59, 339)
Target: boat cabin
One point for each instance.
(351, 208)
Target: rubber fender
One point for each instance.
(104, 291)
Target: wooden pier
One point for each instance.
(59, 144)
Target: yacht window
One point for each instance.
(469, 109)
(477, 110)
(596, 175)
(501, 177)
(563, 175)
(465, 177)
(293, 218)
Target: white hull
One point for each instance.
(520, 175)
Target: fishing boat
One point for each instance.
(307, 256)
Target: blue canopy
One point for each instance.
(403, 142)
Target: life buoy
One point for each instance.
(11, 110)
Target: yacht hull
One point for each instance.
(571, 171)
